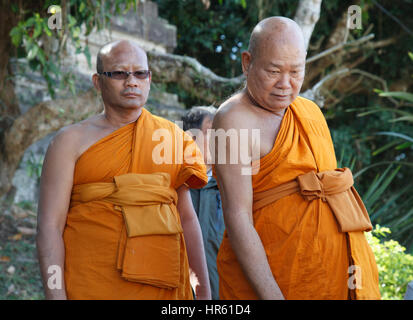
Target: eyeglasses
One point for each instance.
(123, 75)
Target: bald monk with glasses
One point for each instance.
(116, 222)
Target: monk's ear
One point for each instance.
(95, 80)
(246, 61)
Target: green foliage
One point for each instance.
(394, 265)
(389, 62)
(399, 95)
(388, 199)
(395, 208)
(25, 282)
(34, 165)
(27, 205)
(376, 189)
(44, 47)
(388, 206)
(378, 142)
(216, 36)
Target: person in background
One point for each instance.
(206, 201)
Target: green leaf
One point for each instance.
(30, 22)
(75, 32)
(41, 56)
(14, 7)
(72, 20)
(46, 29)
(395, 134)
(88, 56)
(82, 7)
(385, 147)
(32, 52)
(55, 69)
(378, 186)
(399, 95)
(404, 146)
(38, 28)
(408, 118)
(16, 36)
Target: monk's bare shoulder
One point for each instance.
(73, 139)
(234, 113)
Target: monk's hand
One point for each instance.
(203, 293)
(56, 296)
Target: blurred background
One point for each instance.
(360, 74)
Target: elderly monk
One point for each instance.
(115, 220)
(294, 225)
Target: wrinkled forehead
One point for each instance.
(281, 50)
(124, 56)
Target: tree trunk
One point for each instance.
(307, 15)
(9, 107)
(262, 7)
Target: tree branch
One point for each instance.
(315, 93)
(340, 46)
(191, 76)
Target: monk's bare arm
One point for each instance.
(55, 190)
(194, 243)
(237, 196)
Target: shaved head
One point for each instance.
(111, 49)
(274, 64)
(281, 30)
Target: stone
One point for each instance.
(19, 213)
(27, 231)
(146, 24)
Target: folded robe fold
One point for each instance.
(335, 187)
(148, 204)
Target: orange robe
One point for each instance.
(106, 177)
(308, 255)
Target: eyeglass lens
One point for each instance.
(122, 75)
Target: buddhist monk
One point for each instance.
(295, 225)
(116, 219)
